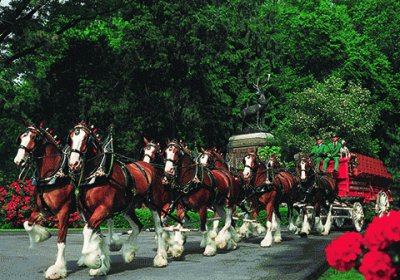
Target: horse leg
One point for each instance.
(210, 246)
(114, 242)
(214, 230)
(328, 223)
(318, 223)
(225, 238)
(308, 213)
(267, 241)
(276, 225)
(36, 233)
(95, 250)
(129, 247)
(59, 269)
(160, 260)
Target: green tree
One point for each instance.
(332, 105)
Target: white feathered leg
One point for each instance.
(267, 241)
(308, 216)
(328, 223)
(224, 239)
(211, 247)
(277, 225)
(178, 241)
(129, 247)
(36, 233)
(59, 269)
(95, 252)
(160, 260)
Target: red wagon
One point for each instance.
(362, 181)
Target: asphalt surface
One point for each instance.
(294, 258)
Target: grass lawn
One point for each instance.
(333, 274)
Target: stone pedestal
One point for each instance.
(239, 144)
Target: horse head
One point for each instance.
(303, 167)
(206, 158)
(173, 156)
(30, 141)
(27, 143)
(251, 162)
(152, 151)
(80, 138)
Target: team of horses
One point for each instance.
(87, 175)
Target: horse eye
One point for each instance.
(148, 148)
(170, 148)
(76, 131)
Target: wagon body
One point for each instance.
(361, 178)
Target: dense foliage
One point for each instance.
(185, 69)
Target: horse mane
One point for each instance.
(219, 157)
(47, 164)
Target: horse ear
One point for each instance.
(145, 140)
(202, 150)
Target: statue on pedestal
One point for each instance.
(257, 110)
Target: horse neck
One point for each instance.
(49, 160)
(261, 174)
(219, 163)
(93, 158)
(187, 170)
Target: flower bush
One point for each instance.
(375, 255)
(17, 203)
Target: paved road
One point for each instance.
(294, 258)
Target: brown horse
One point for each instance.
(119, 187)
(268, 190)
(319, 189)
(195, 188)
(54, 193)
(226, 181)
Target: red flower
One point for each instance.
(377, 265)
(383, 231)
(343, 251)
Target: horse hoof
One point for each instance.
(177, 251)
(210, 251)
(128, 258)
(97, 272)
(55, 272)
(278, 239)
(160, 261)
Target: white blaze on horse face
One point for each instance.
(248, 161)
(204, 159)
(169, 165)
(302, 170)
(22, 154)
(149, 153)
(76, 144)
(270, 164)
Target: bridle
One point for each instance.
(210, 160)
(77, 130)
(152, 156)
(38, 136)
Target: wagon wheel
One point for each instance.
(382, 204)
(357, 216)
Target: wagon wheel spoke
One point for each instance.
(382, 204)
(357, 216)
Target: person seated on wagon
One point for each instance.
(333, 153)
(318, 152)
